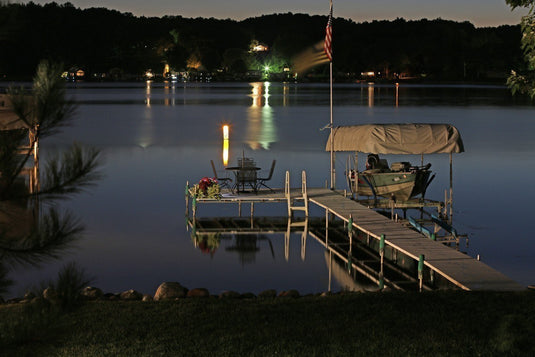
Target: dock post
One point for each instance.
(194, 206)
(350, 235)
(252, 209)
(382, 249)
(382, 253)
(326, 227)
(287, 193)
(287, 239)
(304, 191)
(421, 271)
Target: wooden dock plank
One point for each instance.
(459, 268)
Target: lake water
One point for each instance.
(156, 136)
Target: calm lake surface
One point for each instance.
(156, 136)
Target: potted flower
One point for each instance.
(208, 187)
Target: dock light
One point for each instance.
(225, 145)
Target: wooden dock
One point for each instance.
(460, 269)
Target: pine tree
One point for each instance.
(33, 228)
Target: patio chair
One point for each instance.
(261, 181)
(223, 181)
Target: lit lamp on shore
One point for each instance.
(225, 145)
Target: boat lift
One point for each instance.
(400, 139)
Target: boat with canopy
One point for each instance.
(401, 181)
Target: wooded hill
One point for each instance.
(120, 45)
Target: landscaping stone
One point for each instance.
(130, 295)
(198, 292)
(268, 294)
(50, 294)
(170, 291)
(92, 293)
(147, 297)
(29, 295)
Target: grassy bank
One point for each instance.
(400, 324)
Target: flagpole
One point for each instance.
(333, 176)
(329, 38)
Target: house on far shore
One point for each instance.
(8, 119)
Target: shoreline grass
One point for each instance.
(446, 323)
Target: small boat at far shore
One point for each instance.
(401, 181)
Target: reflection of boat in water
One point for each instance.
(346, 281)
(402, 180)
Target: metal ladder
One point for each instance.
(292, 200)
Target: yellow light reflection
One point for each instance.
(261, 130)
(148, 90)
(370, 95)
(397, 94)
(225, 152)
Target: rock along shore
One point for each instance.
(165, 292)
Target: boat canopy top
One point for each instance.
(397, 139)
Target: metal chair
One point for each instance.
(261, 181)
(223, 181)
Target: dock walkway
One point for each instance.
(459, 268)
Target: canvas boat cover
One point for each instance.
(397, 139)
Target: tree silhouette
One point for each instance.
(32, 226)
(524, 80)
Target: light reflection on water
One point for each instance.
(156, 136)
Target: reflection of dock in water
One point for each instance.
(356, 266)
(434, 261)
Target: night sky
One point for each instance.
(479, 12)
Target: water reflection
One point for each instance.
(148, 90)
(261, 129)
(111, 116)
(31, 233)
(352, 261)
(170, 93)
(371, 95)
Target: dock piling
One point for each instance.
(421, 271)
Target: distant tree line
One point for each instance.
(118, 45)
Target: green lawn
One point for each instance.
(372, 324)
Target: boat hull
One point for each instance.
(400, 186)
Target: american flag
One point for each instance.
(327, 44)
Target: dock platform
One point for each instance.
(460, 269)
